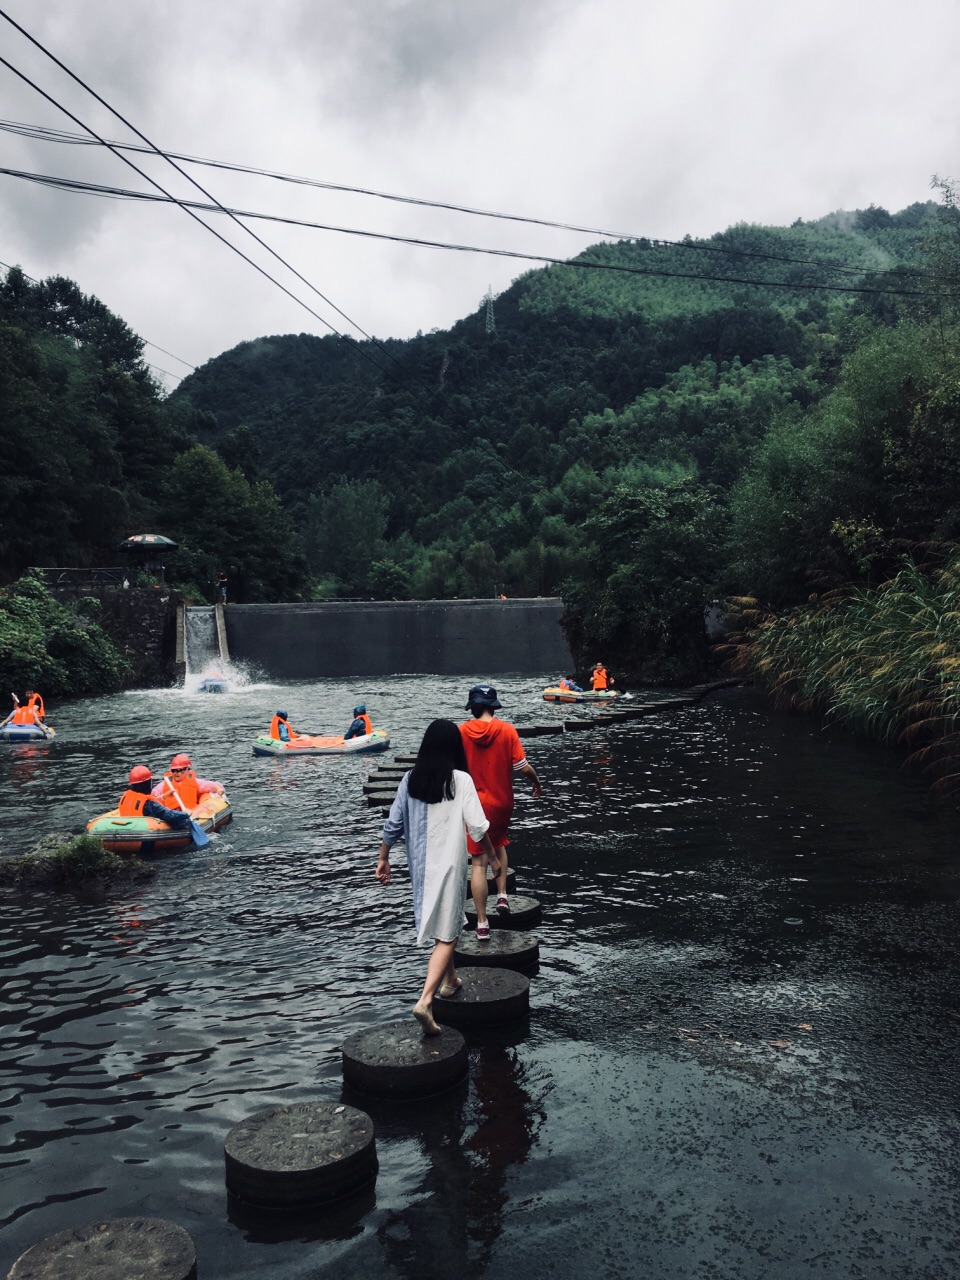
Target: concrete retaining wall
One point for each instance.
(141, 623)
(483, 638)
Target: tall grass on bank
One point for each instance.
(884, 662)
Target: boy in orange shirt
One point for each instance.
(494, 757)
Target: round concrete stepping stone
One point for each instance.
(396, 1060)
(486, 997)
(524, 913)
(537, 730)
(492, 884)
(506, 948)
(409, 761)
(308, 1153)
(385, 798)
(577, 724)
(113, 1249)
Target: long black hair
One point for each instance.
(441, 751)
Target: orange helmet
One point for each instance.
(181, 762)
(140, 773)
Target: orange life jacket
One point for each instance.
(131, 804)
(23, 715)
(275, 724)
(599, 678)
(186, 785)
(564, 683)
(367, 723)
(36, 704)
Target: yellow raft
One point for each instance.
(305, 744)
(150, 835)
(555, 694)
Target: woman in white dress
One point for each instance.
(435, 806)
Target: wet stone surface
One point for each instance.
(116, 1249)
(397, 1060)
(509, 948)
(524, 912)
(486, 997)
(302, 1154)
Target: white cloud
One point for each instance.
(656, 118)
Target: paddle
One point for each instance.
(200, 837)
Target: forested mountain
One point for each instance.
(646, 427)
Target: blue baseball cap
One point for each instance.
(360, 709)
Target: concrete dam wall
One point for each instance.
(481, 638)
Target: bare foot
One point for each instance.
(424, 1015)
(448, 989)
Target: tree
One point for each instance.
(653, 555)
(345, 528)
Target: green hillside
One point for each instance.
(770, 412)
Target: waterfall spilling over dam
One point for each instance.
(482, 638)
(201, 647)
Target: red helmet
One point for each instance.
(181, 762)
(140, 773)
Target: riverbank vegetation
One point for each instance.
(67, 861)
(883, 662)
(59, 648)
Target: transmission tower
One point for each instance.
(491, 321)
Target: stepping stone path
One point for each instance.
(524, 913)
(396, 1060)
(486, 998)
(113, 1249)
(294, 1157)
(505, 948)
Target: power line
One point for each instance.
(179, 376)
(42, 133)
(90, 188)
(156, 151)
(185, 205)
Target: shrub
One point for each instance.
(59, 649)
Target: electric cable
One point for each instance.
(186, 206)
(42, 133)
(120, 193)
(155, 150)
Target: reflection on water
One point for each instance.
(740, 1055)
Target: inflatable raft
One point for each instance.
(25, 733)
(305, 745)
(556, 694)
(150, 835)
(213, 684)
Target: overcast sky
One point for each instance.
(647, 117)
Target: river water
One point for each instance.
(742, 1054)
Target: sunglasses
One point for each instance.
(183, 770)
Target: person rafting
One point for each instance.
(566, 682)
(137, 801)
(494, 757)
(599, 678)
(362, 724)
(181, 788)
(280, 727)
(36, 702)
(27, 713)
(435, 807)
